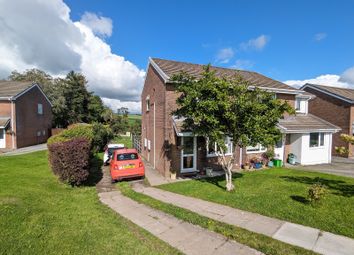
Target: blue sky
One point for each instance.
(110, 41)
(195, 31)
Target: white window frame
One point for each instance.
(147, 103)
(40, 109)
(320, 134)
(259, 147)
(145, 142)
(228, 144)
(149, 145)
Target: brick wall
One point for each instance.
(334, 111)
(154, 88)
(29, 122)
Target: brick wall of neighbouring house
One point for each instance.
(334, 111)
(154, 88)
(29, 122)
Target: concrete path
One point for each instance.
(339, 166)
(295, 234)
(25, 150)
(155, 178)
(187, 238)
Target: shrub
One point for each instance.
(70, 160)
(316, 192)
(102, 134)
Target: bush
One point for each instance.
(70, 160)
(102, 134)
(74, 131)
(316, 192)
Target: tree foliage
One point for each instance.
(343, 150)
(72, 102)
(215, 107)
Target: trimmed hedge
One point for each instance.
(70, 160)
(74, 131)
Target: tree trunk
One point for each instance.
(227, 166)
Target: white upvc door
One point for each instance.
(279, 149)
(188, 155)
(2, 138)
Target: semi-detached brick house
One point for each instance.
(335, 105)
(168, 147)
(25, 115)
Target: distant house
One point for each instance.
(170, 148)
(25, 115)
(336, 105)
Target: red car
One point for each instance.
(126, 163)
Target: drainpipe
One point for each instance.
(12, 125)
(154, 135)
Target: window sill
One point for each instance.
(254, 152)
(217, 155)
(317, 147)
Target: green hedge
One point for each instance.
(74, 131)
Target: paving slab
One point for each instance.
(330, 244)
(295, 234)
(186, 237)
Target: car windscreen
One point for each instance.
(127, 156)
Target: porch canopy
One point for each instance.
(178, 127)
(306, 124)
(4, 122)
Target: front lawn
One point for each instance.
(281, 193)
(38, 215)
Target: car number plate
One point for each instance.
(129, 166)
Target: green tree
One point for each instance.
(216, 107)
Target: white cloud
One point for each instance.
(101, 26)
(320, 36)
(348, 76)
(225, 55)
(326, 79)
(255, 44)
(114, 104)
(242, 64)
(40, 34)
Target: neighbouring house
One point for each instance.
(170, 148)
(25, 115)
(336, 105)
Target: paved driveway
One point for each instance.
(339, 166)
(29, 149)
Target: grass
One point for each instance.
(257, 241)
(134, 118)
(281, 193)
(39, 215)
(126, 140)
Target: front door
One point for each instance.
(188, 155)
(2, 138)
(279, 149)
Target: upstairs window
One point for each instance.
(316, 140)
(213, 151)
(147, 102)
(40, 109)
(301, 105)
(353, 128)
